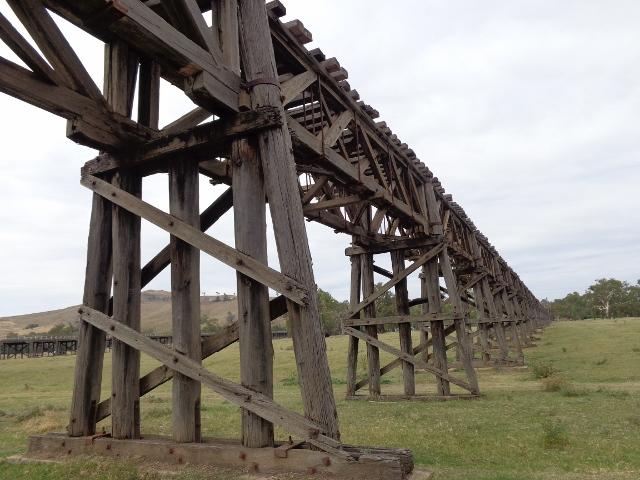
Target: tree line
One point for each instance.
(606, 298)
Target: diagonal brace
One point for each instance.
(408, 358)
(241, 396)
(395, 280)
(244, 264)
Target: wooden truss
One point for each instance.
(286, 127)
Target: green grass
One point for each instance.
(587, 428)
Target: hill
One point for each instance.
(156, 315)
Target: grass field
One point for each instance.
(583, 422)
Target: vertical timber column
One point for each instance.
(254, 321)
(185, 299)
(373, 353)
(424, 333)
(432, 287)
(464, 344)
(282, 189)
(91, 340)
(522, 323)
(120, 75)
(256, 348)
(482, 327)
(354, 299)
(402, 306)
(499, 328)
(512, 326)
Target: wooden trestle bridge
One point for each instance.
(288, 127)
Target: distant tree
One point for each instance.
(209, 325)
(331, 312)
(608, 296)
(386, 303)
(63, 330)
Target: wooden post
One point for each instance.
(513, 327)
(373, 353)
(464, 346)
(256, 349)
(402, 306)
(185, 298)
(91, 341)
(481, 305)
(432, 286)
(424, 333)
(281, 186)
(499, 329)
(120, 72)
(354, 299)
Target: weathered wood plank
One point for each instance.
(373, 353)
(402, 307)
(281, 186)
(256, 349)
(200, 142)
(23, 49)
(126, 307)
(397, 319)
(103, 130)
(55, 47)
(185, 300)
(120, 69)
(354, 299)
(91, 340)
(186, 16)
(331, 134)
(296, 85)
(333, 203)
(391, 245)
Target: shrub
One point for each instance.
(570, 390)
(555, 436)
(613, 393)
(290, 381)
(600, 362)
(636, 349)
(554, 383)
(29, 413)
(543, 370)
(564, 349)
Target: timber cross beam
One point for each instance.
(281, 126)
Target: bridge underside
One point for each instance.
(277, 123)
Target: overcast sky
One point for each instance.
(528, 112)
